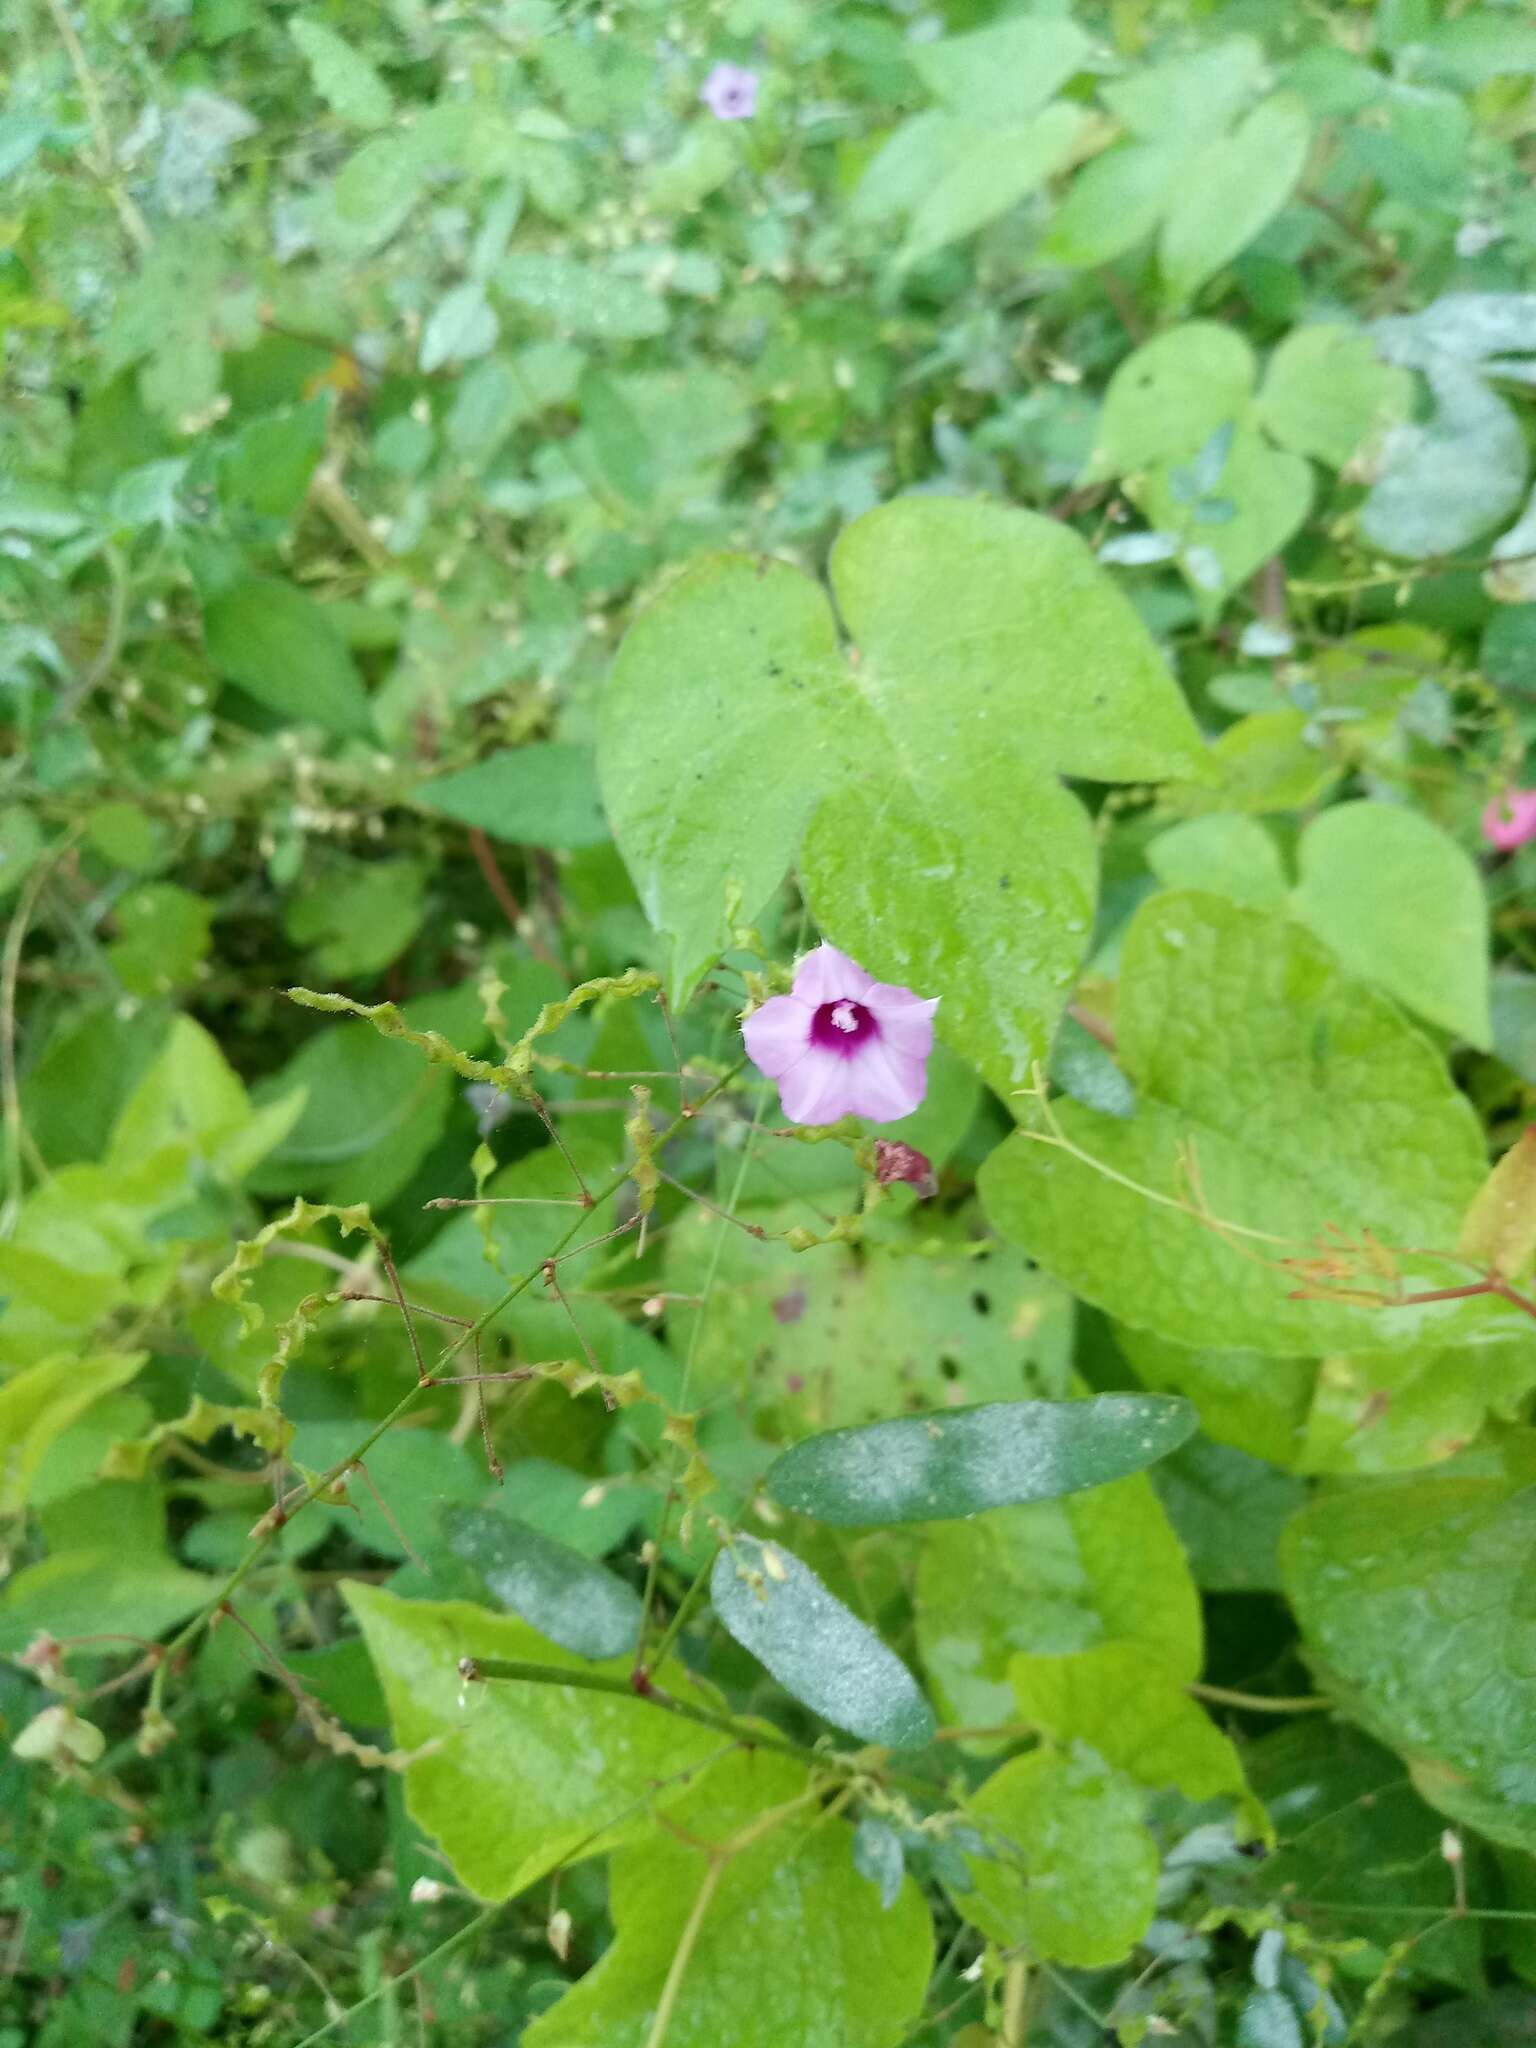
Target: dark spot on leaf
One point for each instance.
(949, 1368)
(789, 1308)
(982, 1303)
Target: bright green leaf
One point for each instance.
(1231, 191)
(1308, 1107)
(1120, 1700)
(792, 1944)
(1414, 1597)
(1005, 72)
(1326, 393)
(461, 326)
(278, 644)
(342, 75)
(1169, 397)
(1499, 1230)
(1222, 851)
(1072, 1870)
(580, 299)
(1102, 1566)
(163, 938)
(1269, 491)
(730, 712)
(520, 1776)
(1000, 167)
(38, 1405)
(540, 795)
(1115, 202)
(1402, 906)
(80, 1592)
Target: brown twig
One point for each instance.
(521, 923)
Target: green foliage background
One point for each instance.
(1044, 504)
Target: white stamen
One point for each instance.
(845, 1017)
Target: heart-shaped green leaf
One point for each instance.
(989, 653)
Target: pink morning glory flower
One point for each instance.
(730, 93)
(843, 1044)
(1510, 820)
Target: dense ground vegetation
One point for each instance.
(518, 518)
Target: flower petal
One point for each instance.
(885, 1083)
(905, 1020)
(777, 1035)
(827, 976)
(819, 1088)
(1510, 820)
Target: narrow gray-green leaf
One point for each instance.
(926, 1468)
(777, 1608)
(1448, 479)
(565, 1596)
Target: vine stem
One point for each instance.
(1015, 1991)
(16, 1135)
(1260, 1703)
(721, 1855)
(476, 1669)
(191, 1629)
(134, 224)
(682, 1955)
(728, 1214)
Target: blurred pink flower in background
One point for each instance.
(730, 93)
(843, 1044)
(1510, 820)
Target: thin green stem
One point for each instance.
(513, 1669)
(191, 1629)
(1261, 1703)
(682, 1955)
(685, 1607)
(728, 1215)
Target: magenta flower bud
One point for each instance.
(895, 1161)
(1510, 820)
(843, 1044)
(730, 93)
